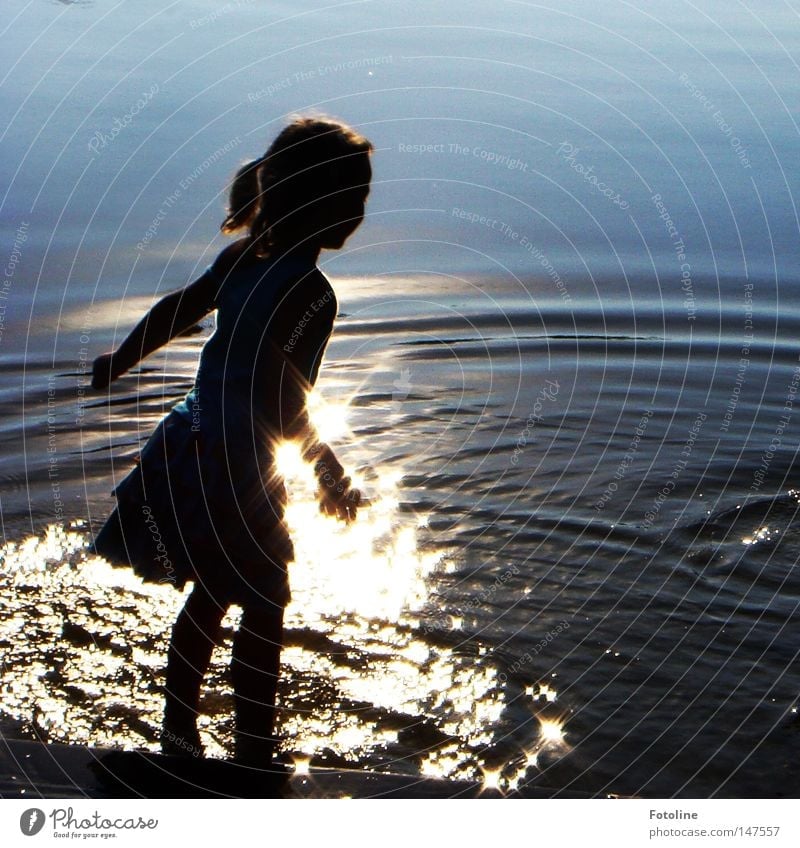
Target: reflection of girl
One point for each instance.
(205, 502)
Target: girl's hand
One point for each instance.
(340, 499)
(103, 371)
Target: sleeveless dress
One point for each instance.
(204, 502)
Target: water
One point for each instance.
(566, 371)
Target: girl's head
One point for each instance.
(308, 190)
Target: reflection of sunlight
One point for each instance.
(362, 583)
(301, 763)
(551, 740)
(492, 779)
(531, 758)
(541, 690)
(552, 731)
(33, 554)
(107, 315)
(760, 535)
(328, 417)
(368, 567)
(289, 461)
(402, 677)
(372, 566)
(360, 676)
(68, 670)
(443, 763)
(359, 586)
(375, 687)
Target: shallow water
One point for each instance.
(579, 566)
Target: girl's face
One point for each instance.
(345, 210)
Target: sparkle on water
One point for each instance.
(761, 534)
(84, 644)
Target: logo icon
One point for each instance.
(31, 821)
(401, 388)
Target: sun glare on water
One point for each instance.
(358, 591)
(330, 418)
(372, 566)
(552, 731)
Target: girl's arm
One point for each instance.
(303, 323)
(168, 318)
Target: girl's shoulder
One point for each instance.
(231, 258)
(239, 257)
(238, 271)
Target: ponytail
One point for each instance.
(243, 201)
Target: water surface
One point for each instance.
(566, 370)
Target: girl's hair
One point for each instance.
(311, 159)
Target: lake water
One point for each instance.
(566, 369)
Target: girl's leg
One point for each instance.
(196, 632)
(254, 668)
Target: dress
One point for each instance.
(204, 502)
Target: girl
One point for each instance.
(205, 502)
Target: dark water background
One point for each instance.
(567, 368)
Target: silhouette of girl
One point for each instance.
(205, 502)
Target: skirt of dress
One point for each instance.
(192, 510)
